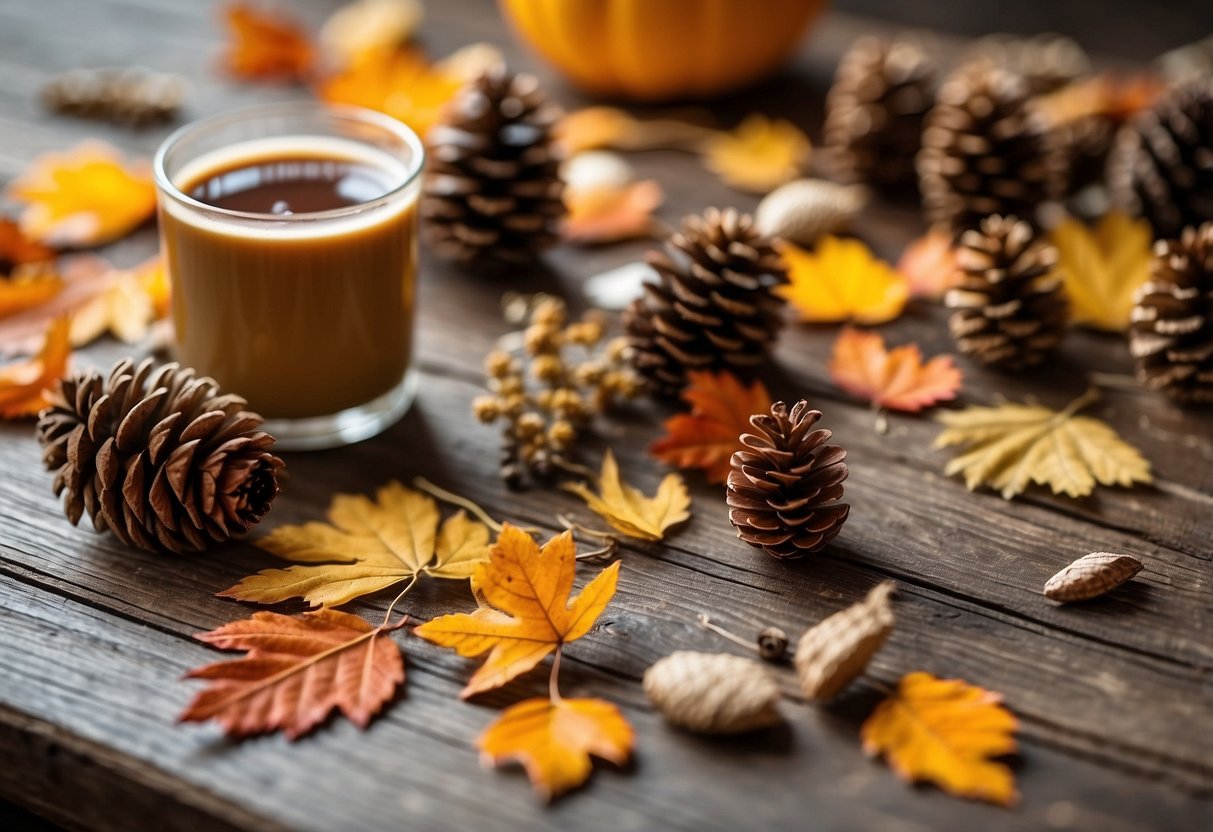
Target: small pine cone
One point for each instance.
(1171, 335)
(1162, 165)
(875, 110)
(123, 95)
(493, 190)
(158, 457)
(1047, 62)
(785, 485)
(1010, 310)
(714, 308)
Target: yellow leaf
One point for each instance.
(842, 280)
(759, 155)
(526, 612)
(1102, 267)
(126, 308)
(629, 510)
(596, 127)
(945, 731)
(554, 740)
(365, 26)
(1009, 446)
(25, 385)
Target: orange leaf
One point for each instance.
(27, 288)
(591, 128)
(553, 739)
(528, 613)
(266, 46)
(945, 731)
(606, 213)
(840, 280)
(758, 155)
(707, 436)
(297, 670)
(895, 379)
(26, 385)
(16, 249)
(929, 264)
(152, 277)
(84, 197)
(82, 279)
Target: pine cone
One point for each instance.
(713, 308)
(784, 488)
(493, 190)
(1162, 165)
(124, 95)
(158, 457)
(875, 110)
(1047, 62)
(986, 151)
(1172, 331)
(1010, 310)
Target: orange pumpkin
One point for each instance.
(649, 50)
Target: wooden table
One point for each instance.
(1115, 697)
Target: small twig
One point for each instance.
(572, 525)
(1117, 381)
(708, 624)
(574, 468)
(463, 502)
(607, 551)
(553, 684)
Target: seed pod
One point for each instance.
(1091, 576)
(838, 649)
(803, 210)
(772, 643)
(713, 693)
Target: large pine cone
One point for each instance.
(492, 189)
(1172, 331)
(1010, 310)
(158, 457)
(714, 308)
(785, 485)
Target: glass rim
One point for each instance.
(398, 128)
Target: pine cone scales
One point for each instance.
(785, 485)
(158, 457)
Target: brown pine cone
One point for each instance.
(785, 485)
(1047, 62)
(1009, 310)
(158, 457)
(492, 189)
(1171, 335)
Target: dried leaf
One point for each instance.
(929, 264)
(758, 155)
(84, 197)
(126, 308)
(553, 739)
(366, 26)
(527, 612)
(628, 510)
(605, 214)
(266, 45)
(598, 127)
(897, 379)
(82, 278)
(297, 670)
(831, 654)
(802, 211)
(842, 280)
(367, 545)
(25, 386)
(400, 83)
(1091, 576)
(713, 693)
(945, 731)
(28, 288)
(1009, 446)
(707, 436)
(152, 277)
(1102, 267)
(16, 249)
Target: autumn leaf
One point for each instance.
(367, 545)
(929, 264)
(84, 197)
(126, 308)
(628, 510)
(401, 83)
(16, 249)
(945, 731)
(608, 213)
(28, 287)
(266, 45)
(553, 739)
(1009, 446)
(527, 612)
(297, 670)
(591, 128)
(26, 385)
(759, 155)
(365, 26)
(896, 379)
(842, 280)
(707, 436)
(82, 278)
(1102, 267)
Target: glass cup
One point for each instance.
(304, 307)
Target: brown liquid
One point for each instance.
(306, 319)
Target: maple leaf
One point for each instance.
(266, 46)
(18, 250)
(628, 510)
(82, 278)
(553, 739)
(26, 385)
(758, 155)
(706, 437)
(929, 264)
(896, 379)
(365, 547)
(527, 612)
(84, 197)
(945, 731)
(608, 213)
(28, 287)
(126, 307)
(297, 670)
(1011, 445)
(1101, 268)
(841, 280)
(596, 127)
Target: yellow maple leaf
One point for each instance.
(527, 612)
(26, 385)
(367, 545)
(945, 731)
(842, 280)
(1009, 446)
(553, 739)
(1102, 267)
(758, 155)
(628, 510)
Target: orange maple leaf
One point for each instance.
(841, 280)
(27, 288)
(528, 612)
(297, 670)
(706, 437)
(16, 249)
(897, 379)
(929, 264)
(607, 213)
(25, 385)
(82, 278)
(266, 46)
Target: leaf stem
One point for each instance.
(387, 616)
(553, 684)
(574, 468)
(1086, 399)
(708, 624)
(572, 525)
(463, 502)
